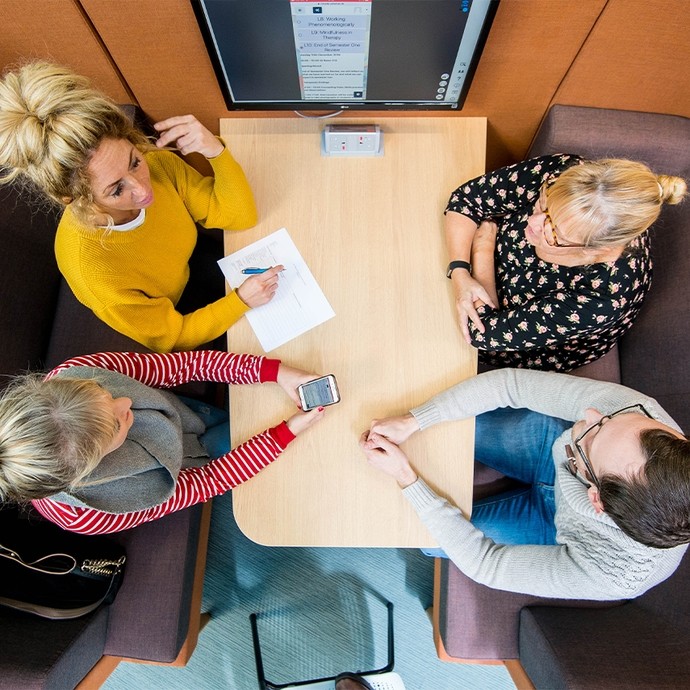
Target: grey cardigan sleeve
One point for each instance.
(560, 571)
(557, 395)
(576, 568)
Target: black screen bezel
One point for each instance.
(336, 106)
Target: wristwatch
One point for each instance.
(458, 264)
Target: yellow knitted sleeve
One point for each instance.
(222, 201)
(155, 323)
(132, 280)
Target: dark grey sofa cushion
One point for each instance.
(78, 331)
(161, 556)
(29, 280)
(477, 622)
(50, 655)
(643, 644)
(655, 353)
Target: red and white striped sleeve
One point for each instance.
(174, 368)
(194, 485)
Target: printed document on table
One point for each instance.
(299, 304)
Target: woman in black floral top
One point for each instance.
(559, 257)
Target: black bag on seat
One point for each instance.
(53, 573)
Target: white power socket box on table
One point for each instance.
(352, 140)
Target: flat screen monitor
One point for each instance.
(344, 54)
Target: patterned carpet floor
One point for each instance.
(320, 611)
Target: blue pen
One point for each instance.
(254, 271)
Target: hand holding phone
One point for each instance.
(289, 378)
(319, 392)
(301, 421)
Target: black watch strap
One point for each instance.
(457, 264)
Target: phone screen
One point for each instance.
(318, 392)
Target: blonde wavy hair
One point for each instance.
(51, 122)
(611, 201)
(52, 434)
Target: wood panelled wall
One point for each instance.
(628, 54)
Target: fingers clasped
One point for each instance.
(386, 456)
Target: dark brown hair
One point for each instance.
(653, 507)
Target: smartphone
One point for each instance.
(319, 392)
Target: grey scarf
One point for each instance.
(143, 471)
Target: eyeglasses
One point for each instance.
(552, 237)
(590, 477)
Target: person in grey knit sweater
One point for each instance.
(605, 514)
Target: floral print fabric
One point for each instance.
(550, 317)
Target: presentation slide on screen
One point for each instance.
(332, 47)
(355, 53)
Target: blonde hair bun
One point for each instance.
(39, 103)
(51, 122)
(672, 189)
(611, 201)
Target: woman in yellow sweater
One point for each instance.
(130, 209)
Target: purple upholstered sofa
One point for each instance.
(641, 643)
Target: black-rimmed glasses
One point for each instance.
(551, 237)
(590, 476)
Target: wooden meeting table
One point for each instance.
(371, 231)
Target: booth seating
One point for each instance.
(156, 614)
(564, 644)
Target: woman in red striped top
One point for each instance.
(99, 447)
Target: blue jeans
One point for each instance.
(518, 444)
(216, 438)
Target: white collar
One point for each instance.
(139, 220)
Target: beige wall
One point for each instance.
(530, 49)
(627, 54)
(56, 30)
(636, 58)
